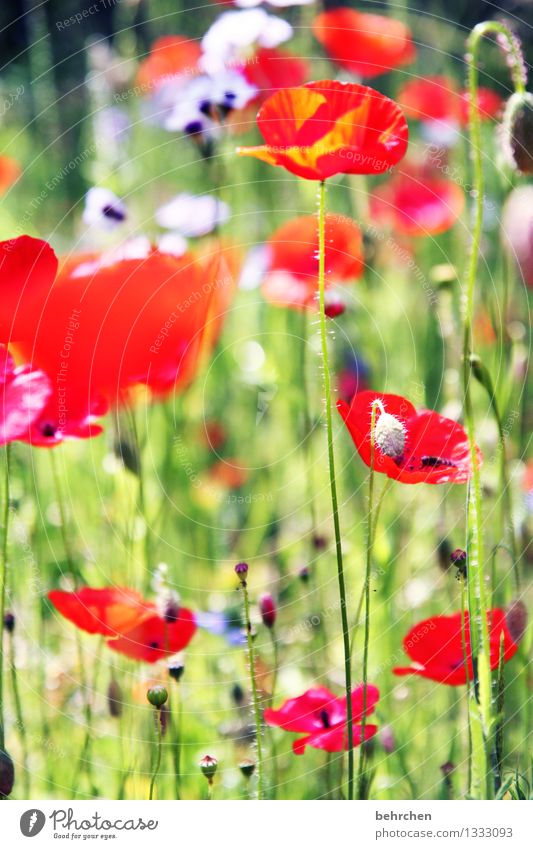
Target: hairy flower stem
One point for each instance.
(332, 481)
(3, 586)
(255, 693)
(480, 712)
(361, 781)
(159, 749)
(19, 716)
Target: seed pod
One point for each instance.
(247, 767)
(517, 132)
(208, 765)
(114, 699)
(7, 775)
(516, 619)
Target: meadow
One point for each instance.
(266, 405)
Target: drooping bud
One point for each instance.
(458, 559)
(208, 765)
(241, 570)
(114, 698)
(7, 775)
(157, 696)
(517, 132)
(9, 622)
(247, 767)
(444, 554)
(516, 619)
(389, 434)
(268, 610)
(176, 670)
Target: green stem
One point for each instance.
(332, 481)
(3, 586)
(255, 694)
(158, 754)
(477, 594)
(370, 540)
(21, 726)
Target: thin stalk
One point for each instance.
(477, 594)
(159, 750)
(21, 725)
(361, 781)
(3, 587)
(332, 480)
(255, 694)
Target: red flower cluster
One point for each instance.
(438, 99)
(326, 128)
(131, 625)
(107, 323)
(364, 44)
(436, 647)
(321, 716)
(293, 259)
(416, 204)
(409, 446)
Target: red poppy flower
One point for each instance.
(10, 171)
(110, 323)
(417, 205)
(271, 69)
(28, 268)
(23, 395)
(170, 56)
(326, 128)
(409, 446)
(293, 251)
(321, 716)
(132, 626)
(364, 44)
(436, 647)
(437, 99)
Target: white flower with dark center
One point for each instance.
(389, 434)
(230, 38)
(103, 208)
(192, 215)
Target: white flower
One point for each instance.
(172, 243)
(229, 38)
(255, 266)
(192, 215)
(103, 208)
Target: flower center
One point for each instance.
(389, 434)
(324, 719)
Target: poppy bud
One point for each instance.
(389, 434)
(247, 768)
(458, 559)
(517, 132)
(481, 374)
(334, 306)
(387, 739)
(7, 775)
(176, 670)
(237, 694)
(208, 765)
(9, 622)
(444, 554)
(114, 698)
(268, 610)
(157, 696)
(516, 619)
(241, 569)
